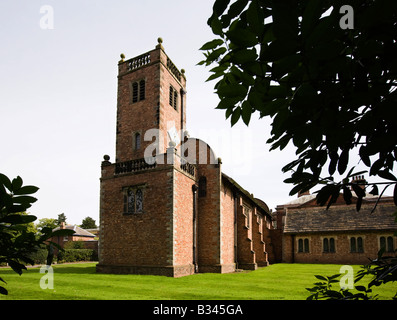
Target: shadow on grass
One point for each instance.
(83, 268)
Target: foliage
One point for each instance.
(73, 255)
(88, 223)
(61, 218)
(383, 270)
(329, 90)
(47, 223)
(74, 245)
(17, 242)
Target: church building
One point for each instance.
(166, 207)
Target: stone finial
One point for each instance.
(122, 56)
(160, 41)
(106, 161)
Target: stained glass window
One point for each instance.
(133, 200)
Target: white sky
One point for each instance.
(58, 98)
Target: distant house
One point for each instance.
(79, 235)
(312, 234)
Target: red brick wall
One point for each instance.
(342, 254)
(183, 219)
(138, 239)
(227, 227)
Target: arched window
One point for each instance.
(390, 244)
(325, 245)
(137, 141)
(300, 245)
(353, 245)
(306, 245)
(138, 91)
(360, 245)
(332, 245)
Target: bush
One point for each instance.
(72, 255)
(39, 256)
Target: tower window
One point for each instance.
(133, 200)
(138, 91)
(137, 141)
(173, 97)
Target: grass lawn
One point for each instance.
(80, 281)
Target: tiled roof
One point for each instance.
(340, 218)
(258, 202)
(78, 231)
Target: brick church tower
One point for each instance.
(165, 206)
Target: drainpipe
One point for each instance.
(183, 92)
(235, 198)
(195, 251)
(293, 248)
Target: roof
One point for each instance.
(261, 204)
(78, 231)
(340, 218)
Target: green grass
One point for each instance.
(80, 281)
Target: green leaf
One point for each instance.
(62, 232)
(243, 56)
(343, 161)
(235, 116)
(212, 44)
(232, 90)
(17, 183)
(385, 174)
(214, 55)
(358, 190)
(5, 181)
(26, 190)
(220, 6)
(364, 156)
(255, 17)
(24, 200)
(395, 195)
(347, 195)
(246, 112)
(17, 219)
(242, 37)
(321, 277)
(3, 291)
(375, 190)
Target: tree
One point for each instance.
(88, 223)
(61, 218)
(17, 240)
(47, 223)
(326, 77)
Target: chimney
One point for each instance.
(62, 225)
(305, 193)
(360, 180)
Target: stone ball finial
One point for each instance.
(183, 71)
(106, 157)
(160, 40)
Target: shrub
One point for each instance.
(72, 255)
